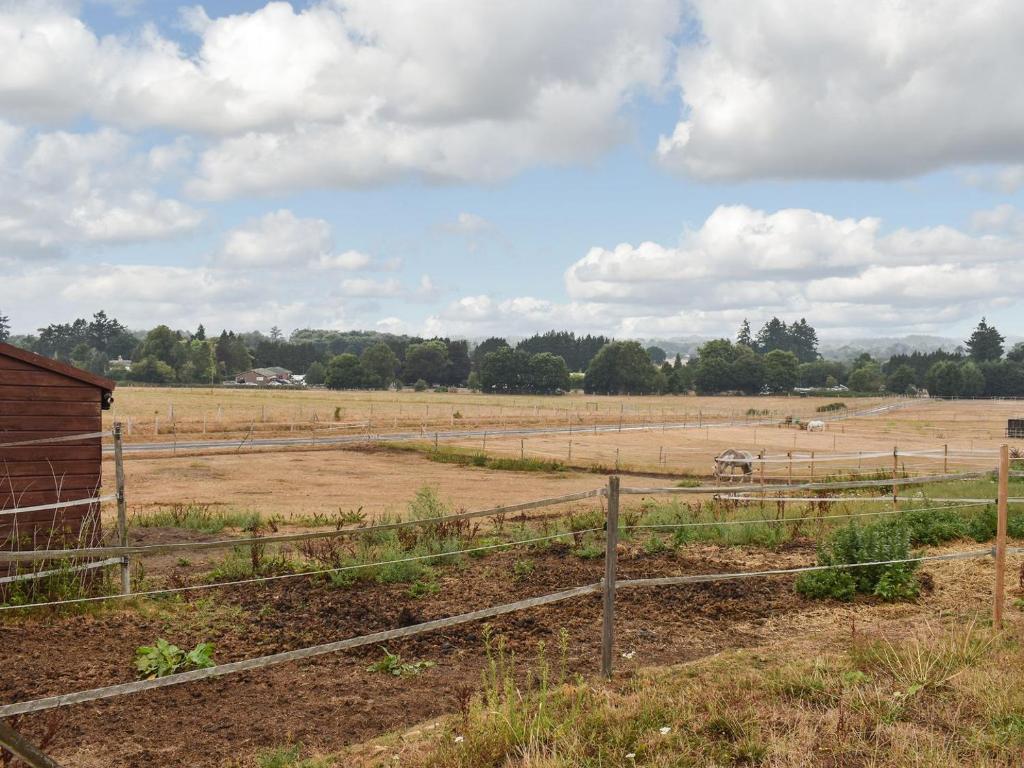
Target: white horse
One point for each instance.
(730, 460)
(815, 426)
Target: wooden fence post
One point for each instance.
(895, 471)
(20, 747)
(610, 561)
(945, 459)
(762, 467)
(122, 510)
(1000, 591)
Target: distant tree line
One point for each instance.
(778, 358)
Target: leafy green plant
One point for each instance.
(163, 658)
(392, 664)
(858, 544)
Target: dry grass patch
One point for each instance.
(950, 695)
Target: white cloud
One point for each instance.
(59, 189)
(1002, 218)
(368, 288)
(355, 92)
(280, 239)
(841, 274)
(806, 88)
(276, 239)
(469, 224)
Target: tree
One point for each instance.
(944, 379)
(484, 348)
(743, 335)
(505, 370)
(427, 361)
(972, 380)
(713, 371)
(747, 370)
(620, 367)
(316, 374)
(773, 335)
(548, 374)
(201, 361)
(200, 334)
(901, 381)
(164, 345)
(232, 354)
(780, 370)
(151, 370)
(1016, 354)
(803, 340)
(986, 343)
(275, 334)
(817, 373)
(5, 328)
(344, 372)
(459, 364)
(1003, 378)
(380, 366)
(866, 378)
(657, 354)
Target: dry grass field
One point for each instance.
(671, 436)
(194, 412)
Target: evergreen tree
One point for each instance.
(773, 335)
(986, 343)
(5, 328)
(743, 336)
(200, 334)
(275, 334)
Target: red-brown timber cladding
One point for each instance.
(41, 398)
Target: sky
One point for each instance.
(640, 168)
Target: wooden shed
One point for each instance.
(41, 399)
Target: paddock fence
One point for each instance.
(611, 496)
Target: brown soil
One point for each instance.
(333, 701)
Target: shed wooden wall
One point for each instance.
(38, 403)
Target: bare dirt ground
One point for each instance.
(334, 701)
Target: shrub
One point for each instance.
(830, 407)
(855, 544)
(420, 385)
(935, 526)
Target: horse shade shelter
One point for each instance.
(41, 399)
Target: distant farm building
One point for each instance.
(42, 399)
(274, 376)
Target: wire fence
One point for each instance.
(611, 495)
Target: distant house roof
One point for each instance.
(56, 366)
(272, 372)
